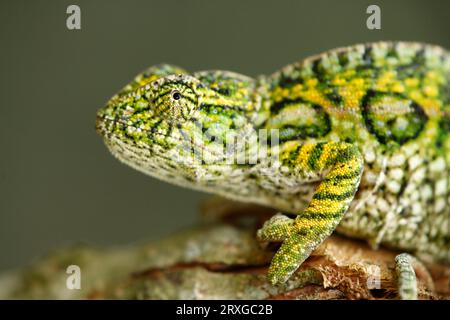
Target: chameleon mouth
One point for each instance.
(100, 125)
(106, 124)
(153, 159)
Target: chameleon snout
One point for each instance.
(100, 124)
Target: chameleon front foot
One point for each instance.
(298, 242)
(342, 165)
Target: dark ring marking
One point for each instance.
(320, 127)
(385, 125)
(346, 176)
(444, 130)
(319, 215)
(334, 196)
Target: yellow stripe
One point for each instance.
(328, 151)
(311, 224)
(325, 206)
(303, 155)
(342, 187)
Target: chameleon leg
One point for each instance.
(407, 283)
(342, 165)
(278, 228)
(407, 266)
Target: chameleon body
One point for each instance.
(362, 145)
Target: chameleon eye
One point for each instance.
(176, 95)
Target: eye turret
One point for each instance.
(175, 98)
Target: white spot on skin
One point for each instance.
(347, 125)
(416, 219)
(382, 205)
(409, 150)
(440, 187)
(396, 174)
(369, 200)
(334, 137)
(401, 124)
(393, 186)
(414, 196)
(426, 192)
(369, 156)
(437, 165)
(418, 176)
(414, 162)
(445, 226)
(371, 177)
(397, 160)
(439, 206)
(416, 209)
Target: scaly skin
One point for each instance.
(364, 145)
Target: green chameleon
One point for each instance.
(355, 139)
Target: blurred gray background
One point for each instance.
(58, 183)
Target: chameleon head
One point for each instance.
(178, 127)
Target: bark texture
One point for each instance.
(218, 260)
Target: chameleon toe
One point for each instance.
(277, 228)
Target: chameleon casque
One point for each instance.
(363, 146)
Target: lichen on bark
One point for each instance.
(216, 260)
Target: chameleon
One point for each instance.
(355, 139)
